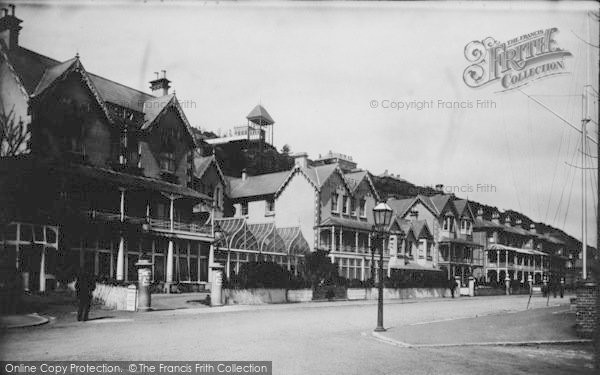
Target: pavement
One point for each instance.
(553, 325)
(22, 321)
(323, 337)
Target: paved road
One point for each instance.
(303, 338)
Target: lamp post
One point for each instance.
(382, 215)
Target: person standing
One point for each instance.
(452, 286)
(84, 287)
(562, 287)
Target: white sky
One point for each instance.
(316, 67)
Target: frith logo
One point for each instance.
(514, 63)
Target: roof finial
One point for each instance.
(77, 55)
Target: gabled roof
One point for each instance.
(31, 67)
(259, 185)
(421, 229)
(155, 107)
(320, 174)
(401, 206)
(259, 115)
(354, 180)
(120, 94)
(202, 163)
(439, 202)
(53, 73)
(58, 72)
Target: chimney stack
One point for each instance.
(518, 223)
(301, 159)
(507, 221)
(496, 217)
(439, 188)
(10, 27)
(244, 174)
(480, 214)
(160, 86)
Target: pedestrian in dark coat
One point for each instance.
(84, 287)
(452, 286)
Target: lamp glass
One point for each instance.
(382, 215)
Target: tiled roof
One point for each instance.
(31, 67)
(119, 94)
(346, 223)
(154, 107)
(102, 175)
(418, 227)
(259, 185)
(260, 115)
(439, 202)
(355, 178)
(460, 241)
(320, 174)
(461, 205)
(401, 206)
(51, 74)
(483, 224)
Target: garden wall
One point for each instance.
(111, 296)
(404, 293)
(300, 295)
(253, 296)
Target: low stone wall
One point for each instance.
(299, 295)
(114, 297)
(253, 296)
(357, 293)
(111, 296)
(404, 293)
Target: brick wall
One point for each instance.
(587, 309)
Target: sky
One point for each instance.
(327, 71)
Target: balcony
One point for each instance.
(155, 224)
(165, 225)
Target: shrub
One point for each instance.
(416, 279)
(318, 269)
(261, 274)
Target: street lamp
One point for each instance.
(382, 215)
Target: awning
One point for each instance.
(460, 241)
(516, 249)
(346, 223)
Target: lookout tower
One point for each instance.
(258, 119)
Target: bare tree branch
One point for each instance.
(13, 133)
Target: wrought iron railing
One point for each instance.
(154, 223)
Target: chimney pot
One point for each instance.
(160, 84)
(5, 10)
(12, 8)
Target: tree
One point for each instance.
(285, 150)
(13, 134)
